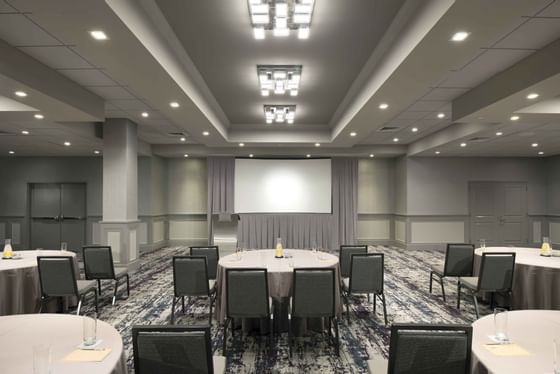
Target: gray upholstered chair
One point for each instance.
(99, 265)
(190, 279)
(247, 297)
(174, 350)
(212, 254)
(459, 258)
(346, 251)
(366, 277)
(57, 279)
(427, 349)
(314, 297)
(496, 276)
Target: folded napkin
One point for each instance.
(509, 349)
(89, 355)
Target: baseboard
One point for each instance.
(426, 246)
(187, 242)
(147, 248)
(385, 242)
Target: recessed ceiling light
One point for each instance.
(395, 139)
(183, 139)
(25, 132)
(499, 133)
(11, 152)
(535, 145)
(353, 133)
(383, 106)
(372, 155)
(463, 144)
(414, 129)
(145, 114)
(258, 33)
(242, 144)
(532, 96)
(98, 35)
(251, 155)
(317, 144)
(39, 116)
(441, 115)
(541, 153)
(68, 144)
(460, 36)
(437, 152)
(20, 93)
(514, 118)
(97, 152)
(186, 155)
(307, 155)
(174, 104)
(205, 133)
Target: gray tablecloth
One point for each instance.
(533, 330)
(20, 290)
(19, 334)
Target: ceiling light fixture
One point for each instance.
(307, 155)
(541, 153)
(68, 144)
(395, 140)
(371, 155)
(183, 139)
(20, 94)
(97, 152)
(145, 114)
(11, 152)
(39, 116)
(98, 35)
(25, 132)
(251, 155)
(383, 106)
(281, 16)
(317, 144)
(463, 145)
(242, 144)
(280, 113)
(441, 115)
(414, 129)
(535, 145)
(279, 79)
(205, 133)
(460, 36)
(514, 118)
(532, 96)
(437, 152)
(353, 133)
(186, 155)
(174, 104)
(499, 133)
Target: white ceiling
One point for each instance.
(213, 75)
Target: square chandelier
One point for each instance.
(279, 113)
(279, 79)
(281, 16)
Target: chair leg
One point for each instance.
(458, 295)
(475, 302)
(96, 301)
(431, 279)
(442, 288)
(173, 310)
(347, 307)
(127, 286)
(99, 286)
(183, 304)
(79, 305)
(271, 336)
(384, 308)
(224, 344)
(210, 300)
(374, 304)
(337, 341)
(115, 293)
(290, 337)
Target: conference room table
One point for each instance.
(531, 330)
(535, 279)
(20, 290)
(280, 272)
(63, 333)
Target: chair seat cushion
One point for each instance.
(377, 365)
(469, 282)
(85, 285)
(438, 269)
(219, 364)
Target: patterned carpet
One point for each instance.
(406, 292)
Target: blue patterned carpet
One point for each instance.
(406, 292)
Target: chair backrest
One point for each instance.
(496, 271)
(56, 276)
(98, 262)
(459, 259)
(430, 349)
(247, 293)
(212, 254)
(172, 350)
(346, 251)
(313, 292)
(190, 276)
(367, 272)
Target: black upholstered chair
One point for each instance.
(212, 254)
(190, 279)
(366, 277)
(174, 350)
(314, 297)
(458, 263)
(247, 297)
(99, 265)
(427, 349)
(346, 251)
(57, 279)
(496, 276)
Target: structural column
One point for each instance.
(119, 227)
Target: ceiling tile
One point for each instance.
(412, 115)
(88, 77)
(57, 57)
(534, 34)
(111, 92)
(128, 105)
(18, 30)
(426, 106)
(553, 10)
(444, 93)
(5, 8)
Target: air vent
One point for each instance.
(389, 129)
(479, 139)
(176, 134)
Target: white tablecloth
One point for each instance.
(536, 278)
(279, 272)
(533, 330)
(19, 334)
(20, 290)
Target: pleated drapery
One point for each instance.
(344, 200)
(221, 174)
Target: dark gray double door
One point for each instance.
(58, 214)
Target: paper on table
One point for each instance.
(507, 349)
(81, 355)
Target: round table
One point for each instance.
(535, 279)
(279, 271)
(533, 330)
(20, 290)
(63, 333)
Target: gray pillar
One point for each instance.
(119, 226)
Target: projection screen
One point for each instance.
(282, 186)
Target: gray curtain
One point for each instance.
(221, 173)
(344, 194)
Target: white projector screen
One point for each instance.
(282, 186)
